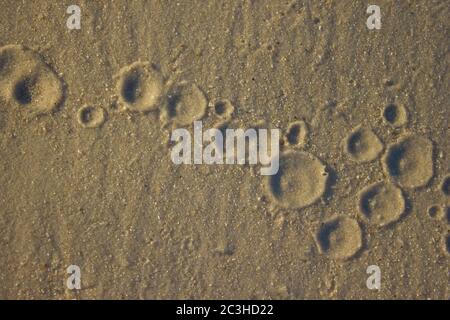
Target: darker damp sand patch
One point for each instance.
(396, 115)
(23, 91)
(131, 87)
(445, 185)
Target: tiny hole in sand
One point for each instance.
(23, 91)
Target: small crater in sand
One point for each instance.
(340, 238)
(224, 109)
(410, 161)
(23, 91)
(388, 82)
(445, 185)
(140, 87)
(435, 211)
(381, 203)
(297, 133)
(26, 80)
(362, 145)
(186, 104)
(91, 117)
(395, 115)
(301, 180)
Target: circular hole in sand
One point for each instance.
(27, 80)
(410, 161)
(220, 108)
(140, 87)
(91, 117)
(445, 186)
(300, 181)
(23, 91)
(297, 133)
(391, 113)
(362, 145)
(340, 238)
(435, 211)
(224, 109)
(395, 115)
(131, 87)
(40, 91)
(381, 203)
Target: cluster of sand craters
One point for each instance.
(407, 164)
(27, 81)
(142, 88)
(297, 134)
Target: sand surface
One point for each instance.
(87, 179)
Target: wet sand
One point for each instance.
(87, 179)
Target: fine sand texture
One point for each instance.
(87, 179)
